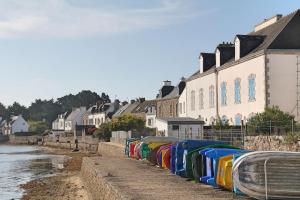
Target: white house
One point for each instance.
(59, 123)
(75, 118)
(180, 127)
(16, 124)
(151, 116)
(260, 69)
(103, 113)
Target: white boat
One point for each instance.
(268, 175)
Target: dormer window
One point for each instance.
(244, 44)
(207, 61)
(201, 64)
(224, 52)
(218, 58)
(237, 48)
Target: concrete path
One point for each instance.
(140, 180)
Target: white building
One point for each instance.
(151, 116)
(59, 123)
(75, 118)
(103, 113)
(180, 127)
(16, 124)
(260, 69)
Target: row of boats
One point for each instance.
(258, 174)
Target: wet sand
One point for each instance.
(64, 185)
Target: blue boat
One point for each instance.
(184, 147)
(212, 161)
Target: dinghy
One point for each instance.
(159, 139)
(268, 175)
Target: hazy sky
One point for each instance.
(126, 48)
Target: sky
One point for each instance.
(125, 48)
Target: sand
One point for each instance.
(64, 185)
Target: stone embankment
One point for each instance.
(3, 139)
(112, 176)
(271, 143)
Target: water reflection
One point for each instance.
(21, 164)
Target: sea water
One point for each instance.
(21, 164)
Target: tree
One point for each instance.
(17, 109)
(84, 98)
(38, 127)
(44, 110)
(271, 120)
(3, 111)
(122, 123)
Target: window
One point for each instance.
(193, 100)
(211, 96)
(238, 120)
(183, 107)
(180, 108)
(149, 122)
(201, 101)
(237, 91)
(171, 110)
(224, 120)
(223, 94)
(251, 87)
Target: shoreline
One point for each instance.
(65, 184)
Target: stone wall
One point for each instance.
(167, 108)
(3, 138)
(84, 143)
(270, 143)
(31, 140)
(96, 182)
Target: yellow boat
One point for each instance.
(224, 177)
(155, 144)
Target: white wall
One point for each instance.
(162, 126)
(283, 81)
(152, 118)
(186, 131)
(19, 125)
(182, 104)
(207, 112)
(254, 66)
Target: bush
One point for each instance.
(221, 124)
(292, 138)
(272, 120)
(123, 123)
(38, 127)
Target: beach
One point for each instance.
(64, 185)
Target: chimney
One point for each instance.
(166, 89)
(267, 22)
(132, 101)
(224, 52)
(124, 103)
(141, 99)
(181, 85)
(207, 60)
(167, 83)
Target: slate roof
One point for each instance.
(283, 34)
(176, 91)
(142, 107)
(127, 110)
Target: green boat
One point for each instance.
(188, 159)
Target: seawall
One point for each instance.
(4, 139)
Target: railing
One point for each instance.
(234, 137)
